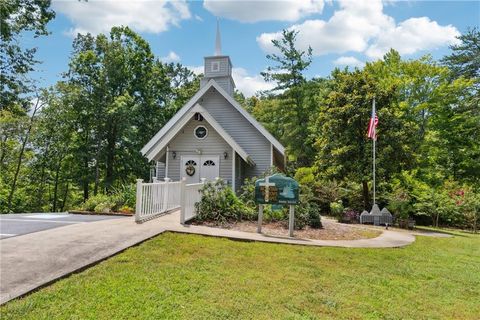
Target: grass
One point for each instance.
(195, 277)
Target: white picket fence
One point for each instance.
(157, 198)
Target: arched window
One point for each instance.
(209, 163)
(190, 163)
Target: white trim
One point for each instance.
(271, 155)
(166, 163)
(217, 66)
(195, 132)
(234, 156)
(163, 142)
(147, 149)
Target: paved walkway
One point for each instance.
(36, 259)
(388, 239)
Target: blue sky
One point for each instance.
(341, 33)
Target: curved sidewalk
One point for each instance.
(388, 239)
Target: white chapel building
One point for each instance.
(212, 135)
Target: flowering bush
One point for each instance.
(351, 215)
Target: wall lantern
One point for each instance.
(225, 155)
(174, 154)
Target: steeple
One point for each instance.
(218, 67)
(218, 44)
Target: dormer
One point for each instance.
(219, 68)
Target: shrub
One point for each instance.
(94, 201)
(336, 208)
(305, 176)
(351, 215)
(124, 195)
(104, 207)
(220, 205)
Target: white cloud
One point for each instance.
(171, 57)
(362, 26)
(265, 10)
(348, 61)
(249, 84)
(413, 35)
(196, 69)
(141, 15)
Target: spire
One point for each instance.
(218, 45)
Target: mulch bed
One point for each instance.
(332, 230)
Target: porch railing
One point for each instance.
(154, 199)
(157, 198)
(189, 196)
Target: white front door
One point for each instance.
(190, 168)
(210, 167)
(195, 167)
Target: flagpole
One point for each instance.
(374, 140)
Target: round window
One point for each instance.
(201, 132)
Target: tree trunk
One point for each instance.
(85, 178)
(4, 152)
(109, 178)
(97, 168)
(65, 195)
(55, 188)
(20, 156)
(366, 199)
(41, 188)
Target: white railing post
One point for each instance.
(138, 204)
(182, 200)
(165, 195)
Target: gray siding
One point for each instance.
(160, 170)
(223, 76)
(244, 133)
(185, 143)
(225, 68)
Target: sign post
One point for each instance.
(277, 190)
(260, 218)
(291, 221)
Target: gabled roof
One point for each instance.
(150, 147)
(169, 135)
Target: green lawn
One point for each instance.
(195, 277)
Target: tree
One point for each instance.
(295, 113)
(403, 91)
(123, 96)
(465, 58)
(18, 16)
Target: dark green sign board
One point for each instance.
(276, 189)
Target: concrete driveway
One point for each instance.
(65, 245)
(12, 225)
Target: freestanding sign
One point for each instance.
(276, 189)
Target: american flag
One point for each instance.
(372, 126)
